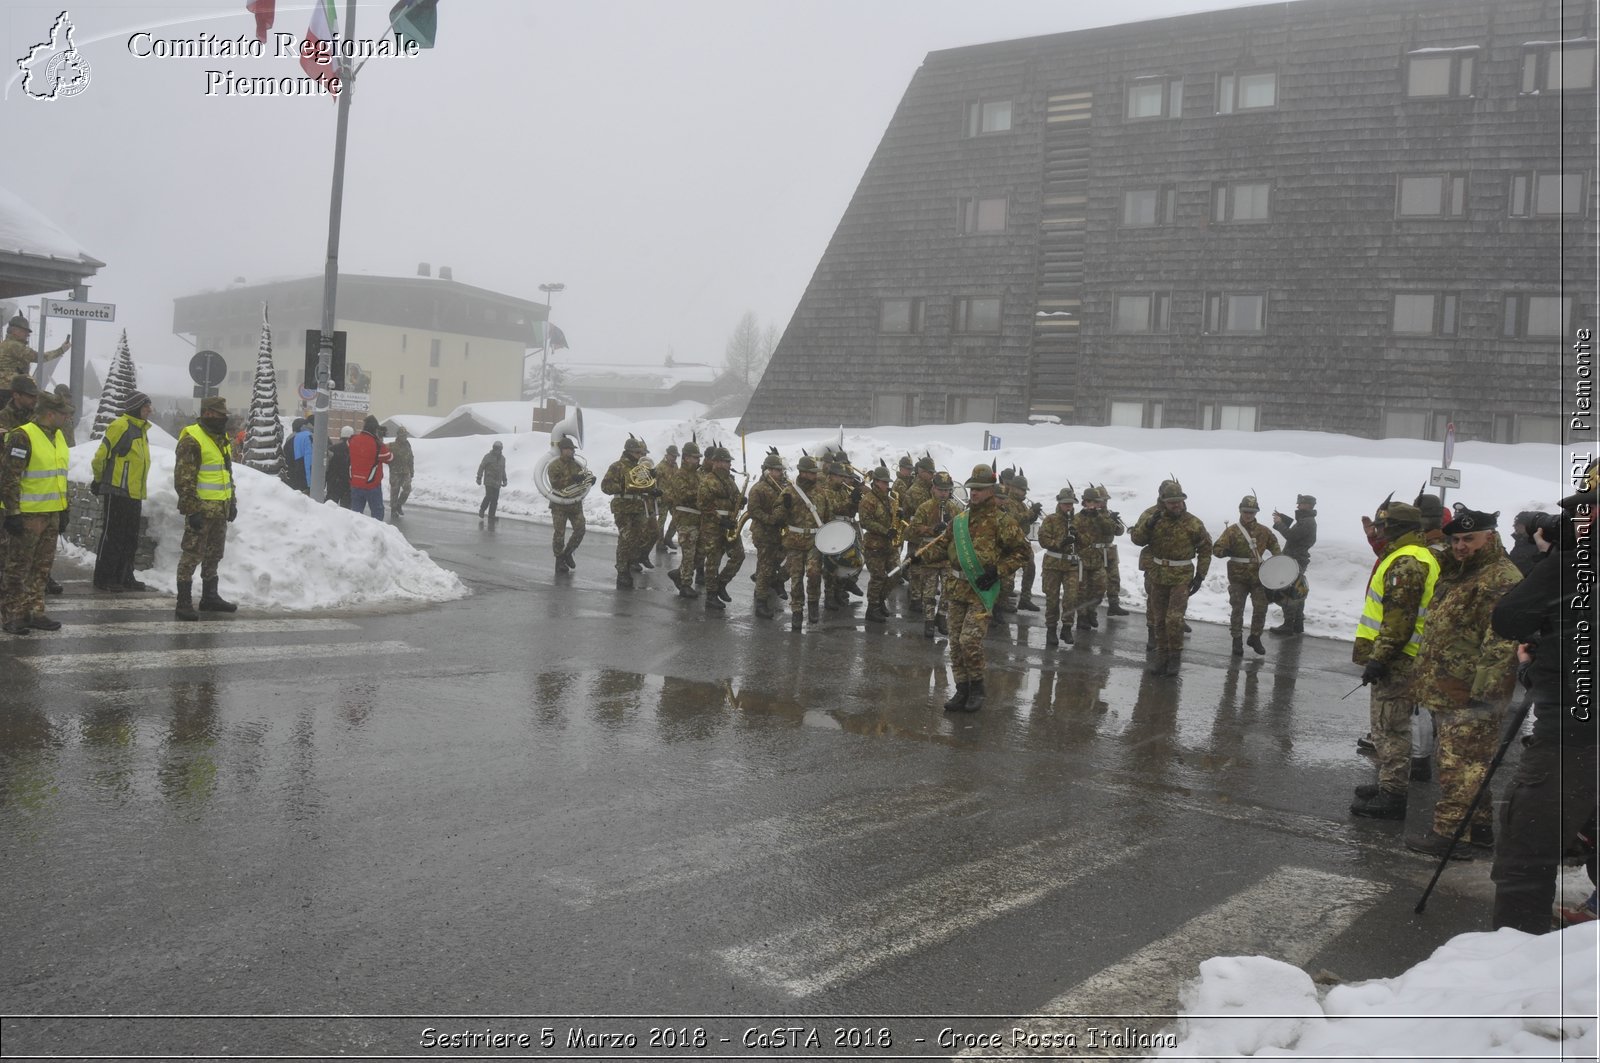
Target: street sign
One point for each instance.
(1445, 477)
(207, 369)
(78, 311)
(358, 401)
(1449, 443)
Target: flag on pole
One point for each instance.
(558, 338)
(415, 21)
(263, 11)
(317, 58)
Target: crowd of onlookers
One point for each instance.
(353, 470)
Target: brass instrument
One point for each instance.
(569, 427)
(642, 476)
(738, 529)
(900, 526)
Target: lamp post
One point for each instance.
(544, 362)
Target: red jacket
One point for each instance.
(368, 456)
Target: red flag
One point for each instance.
(316, 55)
(263, 11)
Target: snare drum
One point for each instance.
(1282, 579)
(839, 543)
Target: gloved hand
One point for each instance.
(197, 521)
(13, 524)
(233, 511)
(940, 528)
(1374, 672)
(855, 495)
(61, 522)
(1034, 511)
(727, 525)
(787, 502)
(990, 577)
(95, 487)
(1194, 584)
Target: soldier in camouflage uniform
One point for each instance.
(904, 477)
(665, 519)
(911, 500)
(1432, 509)
(766, 529)
(1026, 515)
(682, 492)
(1097, 529)
(801, 521)
(1387, 640)
(203, 476)
(17, 358)
(1464, 675)
(1179, 555)
(402, 467)
(1299, 536)
(929, 524)
(877, 519)
(986, 549)
(1063, 567)
(33, 493)
(839, 501)
(564, 474)
(719, 504)
(628, 508)
(19, 411)
(1244, 545)
(1113, 563)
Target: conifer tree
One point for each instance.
(120, 383)
(263, 441)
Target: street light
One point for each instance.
(544, 363)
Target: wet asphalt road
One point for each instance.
(556, 798)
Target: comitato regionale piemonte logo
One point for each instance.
(54, 69)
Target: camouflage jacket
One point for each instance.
(16, 357)
(917, 494)
(615, 483)
(1097, 529)
(492, 469)
(840, 506)
(1171, 538)
(796, 514)
(1404, 583)
(877, 520)
(1299, 535)
(13, 417)
(718, 491)
(1058, 534)
(1462, 660)
(902, 493)
(766, 510)
(927, 517)
(404, 462)
(1235, 544)
(562, 473)
(997, 540)
(186, 477)
(682, 488)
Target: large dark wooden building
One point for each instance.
(1362, 216)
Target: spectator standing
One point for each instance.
(294, 470)
(338, 476)
(304, 454)
(1524, 551)
(368, 456)
(121, 470)
(492, 475)
(400, 471)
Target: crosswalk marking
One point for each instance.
(717, 852)
(216, 657)
(1290, 915)
(209, 627)
(868, 934)
(142, 601)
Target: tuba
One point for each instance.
(570, 426)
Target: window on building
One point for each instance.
(433, 355)
(1424, 314)
(1246, 92)
(975, 313)
(402, 381)
(1431, 196)
(1405, 424)
(969, 409)
(1547, 195)
(1154, 98)
(463, 389)
(1537, 428)
(433, 392)
(982, 215)
(1436, 75)
(402, 341)
(1241, 201)
(1223, 417)
(1235, 312)
(1149, 206)
(901, 316)
(988, 116)
(894, 408)
(1135, 413)
(1526, 316)
(1145, 312)
(1557, 68)
(466, 349)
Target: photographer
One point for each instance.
(1551, 613)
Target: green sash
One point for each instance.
(967, 554)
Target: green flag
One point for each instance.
(415, 21)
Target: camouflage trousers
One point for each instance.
(1391, 728)
(926, 583)
(1030, 572)
(805, 577)
(969, 626)
(1294, 611)
(1060, 594)
(1113, 573)
(560, 517)
(202, 548)
(879, 560)
(1168, 604)
(1466, 746)
(1092, 587)
(1240, 591)
(717, 547)
(28, 560)
(769, 566)
(634, 534)
(688, 548)
(399, 490)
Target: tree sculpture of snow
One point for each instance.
(263, 441)
(121, 382)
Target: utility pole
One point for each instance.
(544, 363)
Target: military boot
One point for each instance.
(1066, 634)
(1254, 642)
(1149, 639)
(974, 696)
(1174, 662)
(644, 559)
(211, 601)
(812, 613)
(1051, 639)
(1114, 607)
(763, 609)
(185, 608)
(713, 598)
(1025, 602)
(1382, 805)
(1158, 665)
(929, 628)
(1281, 630)
(1084, 623)
(876, 613)
(943, 624)
(958, 700)
(795, 619)
(624, 580)
(40, 622)
(1238, 646)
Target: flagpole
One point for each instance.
(330, 281)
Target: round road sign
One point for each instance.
(208, 369)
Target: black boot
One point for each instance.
(794, 621)
(958, 700)
(1149, 640)
(1084, 622)
(624, 580)
(943, 624)
(1114, 608)
(1174, 661)
(1066, 634)
(211, 601)
(1158, 666)
(974, 696)
(811, 611)
(1254, 642)
(1382, 805)
(1238, 646)
(876, 613)
(714, 598)
(929, 628)
(1281, 630)
(1421, 768)
(1026, 603)
(1051, 639)
(763, 609)
(185, 609)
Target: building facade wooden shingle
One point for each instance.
(1372, 217)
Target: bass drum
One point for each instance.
(839, 543)
(1283, 580)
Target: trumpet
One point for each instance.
(642, 477)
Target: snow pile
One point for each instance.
(285, 552)
(1501, 995)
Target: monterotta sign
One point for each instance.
(78, 311)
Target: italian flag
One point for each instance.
(316, 56)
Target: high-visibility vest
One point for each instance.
(44, 483)
(214, 484)
(127, 444)
(1372, 609)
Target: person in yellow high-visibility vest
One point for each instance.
(203, 476)
(1388, 636)
(33, 491)
(121, 469)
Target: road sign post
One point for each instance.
(207, 369)
(1444, 483)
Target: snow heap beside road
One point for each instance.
(1501, 995)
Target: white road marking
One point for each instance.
(207, 627)
(140, 600)
(215, 657)
(868, 934)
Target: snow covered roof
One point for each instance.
(623, 375)
(36, 254)
(482, 419)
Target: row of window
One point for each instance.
(1396, 423)
(1523, 315)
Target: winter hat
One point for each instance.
(1067, 494)
(370, 424)
(982, 476)
(24, 383)
(49, 403)
(346, 432)
(136, 402)
(215, 404)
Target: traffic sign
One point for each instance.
(207, 369)
(1445, 477)
(1449, 443)
(78, 311)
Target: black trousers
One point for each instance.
(1552, 796)
(491, 499)
(119, 539)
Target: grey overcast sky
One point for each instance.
(673, 162)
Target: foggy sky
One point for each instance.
(673, 163)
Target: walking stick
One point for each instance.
(1477, 798)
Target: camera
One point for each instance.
(1549, 523)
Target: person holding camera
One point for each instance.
(986, 547)
(1553, 794)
